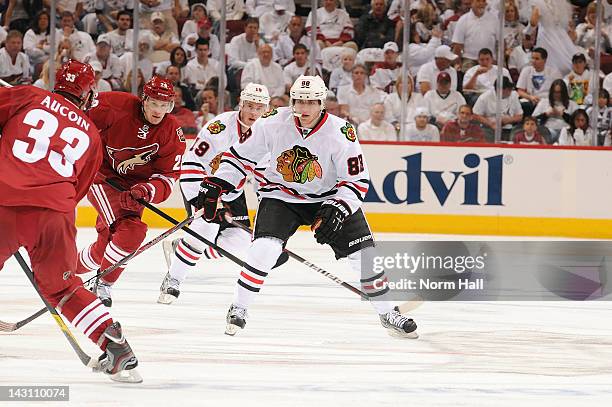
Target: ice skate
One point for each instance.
(236, 319)
(399, 325)
(103, 290)
(169, 290)
(169, 247)
(119, 361)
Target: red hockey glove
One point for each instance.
(129, 199)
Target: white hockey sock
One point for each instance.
(367, 280)
(260, 259)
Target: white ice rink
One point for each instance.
(309, 342)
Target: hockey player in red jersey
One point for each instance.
(49, 154)
(142, 149)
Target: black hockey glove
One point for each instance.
(208, 197)
(329, 221)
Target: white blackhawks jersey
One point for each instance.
(203, 158)
(302, 166)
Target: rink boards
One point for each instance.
(473, 189)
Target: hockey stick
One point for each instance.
(403, 308)
(9, 327)
(5, 84)
(84, 357)
(113, 183)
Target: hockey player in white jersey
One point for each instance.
(203, 159)
(316, 176)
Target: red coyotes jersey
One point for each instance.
(49, 150)
(134, 150)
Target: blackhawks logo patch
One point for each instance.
(298, 165)
(214, 164)
(216, 127)
(270, 113)
(349, 132)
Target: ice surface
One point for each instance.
(310, 342)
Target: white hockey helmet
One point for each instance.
(308, 88)
(256, 93)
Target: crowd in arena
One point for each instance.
(548, 67)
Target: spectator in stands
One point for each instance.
(513, 28)
(393, 104)
(334, 25)
(343, 75)
(121, 38)
(3, 34)
(201, 69)
(234, 9)
(14, 64)
(265, 71)
(579, 133)
(529, 134)
(585, 32)
(183, 115)
(443, 102)
(554, 112)
(333, 107)
(173, 74)
(474, 31)
(463, 130)
(198, 12)
(286, 40)
(149, 7)
(481, 77)
(112, 68)
(421, 130)
(43, 80)
(36, 40)
(299, 66)
(358, 98)
(102, 16)
(384, 74)
(272, 23)
(243, 47)
(604, 119)
(102, 84)
(460, 7)
(376, 127)
(279, 101)
(145, 49)
(204, 31)
(165, 40)
(420, 53)
(535, 80)
(207, 99)
(127, 84)
(607, 83)
(257, 8)
(374, 29)
(178, 58)
(428, 73)
(578, 80)
(81, 43)
(520, 56)
(485, 109)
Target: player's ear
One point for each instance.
(170, 108)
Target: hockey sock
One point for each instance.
(368, 279)
(260, 259)
(87, 314)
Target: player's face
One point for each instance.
(154, 110)
(251, 111)
(310, 111)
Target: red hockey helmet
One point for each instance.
(79, 80)
(159, 88)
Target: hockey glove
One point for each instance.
(329, 221)
(128, 200)
(208, 197)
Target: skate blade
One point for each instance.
(165, 298)
(127, 376)
(405, 335)
(232, 329)
(168, 251)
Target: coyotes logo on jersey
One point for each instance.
(298, 165)
(125, 159)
